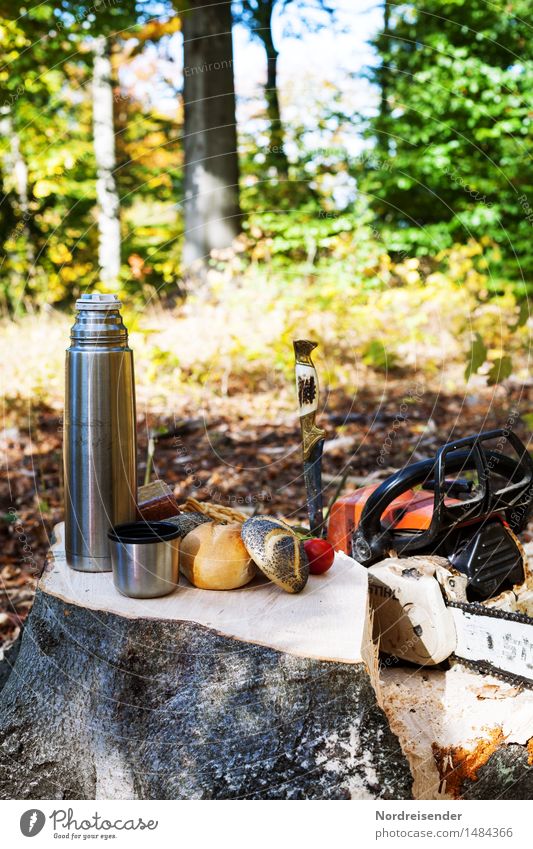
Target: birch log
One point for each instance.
(104, 152)
(18, 168)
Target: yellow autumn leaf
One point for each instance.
(59, 254)
(44, 188)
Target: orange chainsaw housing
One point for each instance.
(411, 511)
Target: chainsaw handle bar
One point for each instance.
(371, 542)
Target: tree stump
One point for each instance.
(251, 694)
(466, 735)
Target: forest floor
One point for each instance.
(242, 451)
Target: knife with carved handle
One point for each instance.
(312, 436)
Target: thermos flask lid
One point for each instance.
(96, 301)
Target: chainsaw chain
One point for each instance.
(484, 668)
(479, 609)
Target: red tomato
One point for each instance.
(320, 554)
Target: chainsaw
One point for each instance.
(448, 576)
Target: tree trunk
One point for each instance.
(19, 169)
(212, 213)
(104, 151)
(251, 693)
(384, 108)
(276, 154)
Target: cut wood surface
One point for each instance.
(466, 735)
(326, 620)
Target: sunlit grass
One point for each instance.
(233, 342)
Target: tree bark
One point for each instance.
(19, 169)
(384, 108)
(276, 154)
(258, 16)
(250, 694)
(104, 151)
(212, 212)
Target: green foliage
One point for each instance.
(478, 356)
(49, 247)
(368, 312)
(437, 250)
(360, 302)
(454, 129)
(500, 370)
(375, 355)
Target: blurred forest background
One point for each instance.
(245, 173)
(381, 202)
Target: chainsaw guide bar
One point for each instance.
(481, 646)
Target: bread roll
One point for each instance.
(213, 557)
(277, 551)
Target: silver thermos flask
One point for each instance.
(99, 448)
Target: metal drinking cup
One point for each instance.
(145, 558)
